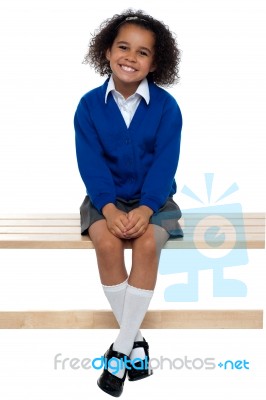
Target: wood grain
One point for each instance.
(154, 319)
(57, 231)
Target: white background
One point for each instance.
(222, 97)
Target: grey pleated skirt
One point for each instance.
(167, 217)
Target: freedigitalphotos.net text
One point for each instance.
(178, 363)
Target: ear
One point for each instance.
(107, 54)
(153, 68)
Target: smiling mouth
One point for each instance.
(127, 69)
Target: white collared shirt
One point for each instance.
(128, 106)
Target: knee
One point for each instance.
(105, 247)
(147, 246)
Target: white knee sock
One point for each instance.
(116, 295)
(136, 304)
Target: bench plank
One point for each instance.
(55, 231)
(75, 229)
(76, 241)
(154, 319)
(191, 220)
(76, 215)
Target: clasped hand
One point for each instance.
(127, 225)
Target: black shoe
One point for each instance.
(108, 382)
(140, 369)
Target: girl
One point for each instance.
(127, 143)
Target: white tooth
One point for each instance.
(127, 68)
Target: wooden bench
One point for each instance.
(62, 231)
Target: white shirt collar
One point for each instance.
(142, 90)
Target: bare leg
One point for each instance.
(110, 254)
(146, 252)
(110, 258)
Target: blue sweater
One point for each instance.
(138, 162)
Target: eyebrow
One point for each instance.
(141, 48)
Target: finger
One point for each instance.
(116, 229)
(120, 230)
(116, 232)
(131, 214)
(137, 234)
(139, 228)
(119, 223)
(124, 221)
(131, 229)
(132, 223)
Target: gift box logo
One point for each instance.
(222, 234)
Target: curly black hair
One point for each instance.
(167, 54)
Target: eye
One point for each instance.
(143, 53)
(122, 47)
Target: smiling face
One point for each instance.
(131, 57)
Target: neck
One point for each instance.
(126, 89)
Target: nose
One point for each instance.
(131, 56)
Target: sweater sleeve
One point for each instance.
(159, 180)
(94, 172)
